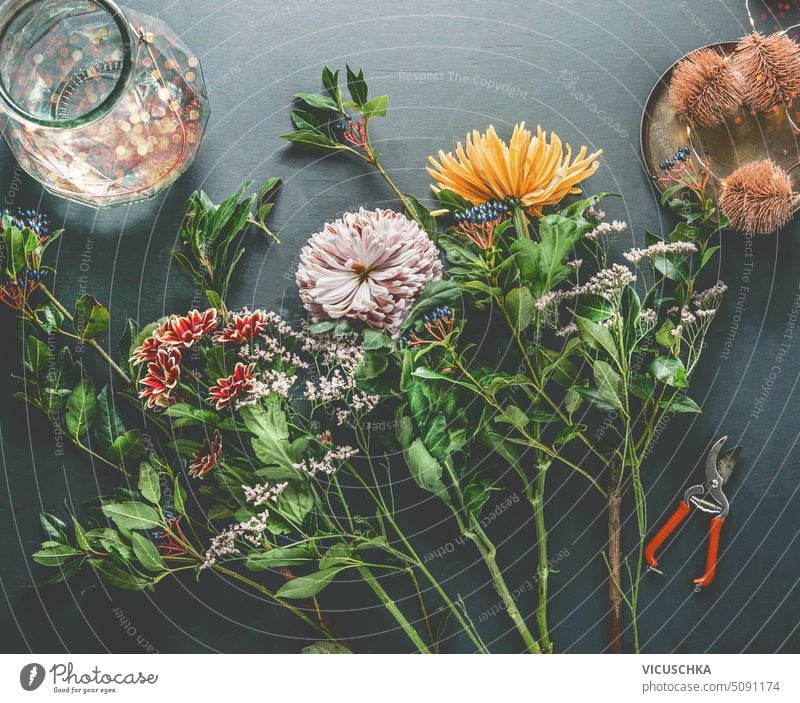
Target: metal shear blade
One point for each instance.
(708, 496)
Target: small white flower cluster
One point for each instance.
(608, 283)
(660, 249)
(345, 351)
(605, 228)
(648, 317)
(264, 493)
(567, 330)
(329, 389)
(329, 463)
(251, 530)
(270, 349)
(710, 299)
(359, 402)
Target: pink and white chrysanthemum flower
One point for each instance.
(370, 265)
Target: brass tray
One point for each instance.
(741, 138)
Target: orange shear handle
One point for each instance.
(714, 534)
(666, 530)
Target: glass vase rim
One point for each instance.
(116, 13)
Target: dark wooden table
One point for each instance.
(582, 68)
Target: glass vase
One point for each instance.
(102, 106)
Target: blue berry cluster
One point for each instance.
(485, 212)
(681, 155)
(28, 219)
(24, 277)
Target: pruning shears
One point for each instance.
(707, 497)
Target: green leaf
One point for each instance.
(325, 648)
(295, 503)
(80, 535)
(146, 553)
(521, 309)
(357, 86)
(541, 264)
(91, 318)
(127, 447)
(55, 555)
(271, 440)
(513, 416)
(567, 434)
(436, 294)
(664, 335)
(51, 318)
(81, 409)
(109, 426)
(593, 396)
(425, 470)
(670, 371)
(113, 574)
(308, 586)
(630, 307)
(330, 79)
(420, 213)
(609, 384)
(132, 515)
(37, 355)
(64, 573)
(681, 404)
(311, 139)
(179, 496)
(318, 101)
(277, 557)
(149, 483)
(53, 527)
(596, 308)
(373, 364)
(377, 107)
(596, 336)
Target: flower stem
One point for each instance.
(615, 595)
(89, 342)
(488, 552)
(521, 224)
(543, 567)
(319, 627)
(391, 606)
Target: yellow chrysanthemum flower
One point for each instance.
(529, 168)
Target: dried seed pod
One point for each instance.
(770, 67)
(758, 197)
(705, 88)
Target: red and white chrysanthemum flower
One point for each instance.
(147, 351)
(161, 379)
(242, 328)
(242, 380)
(187, 330)
(205, 459)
